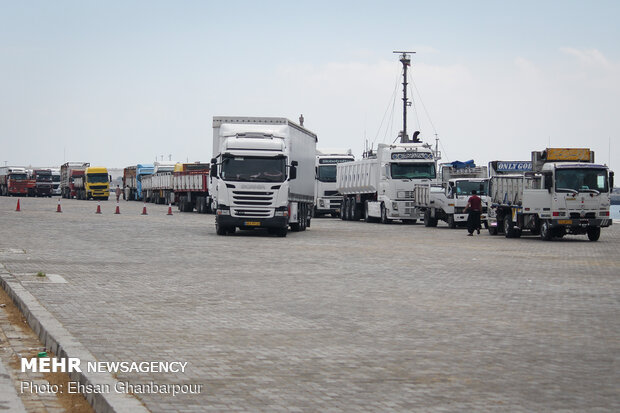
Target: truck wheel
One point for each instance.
(509, 230)
(451, 221)
(492, 230)
(594, 233)
(367, 217)
(545, 231)
(344, 209)
(355, 211)
(384, 217)
(220, 230)
(281, 232)
(303, 217)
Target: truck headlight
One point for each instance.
(321, 203)
(395, 206)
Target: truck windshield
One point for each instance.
(44, 178)
(98, 178)
(465, 187)
(327, 173)
(253, 169)
(18, 176)
(412, 170)
(55, 178)
(581, 180)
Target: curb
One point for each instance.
(57, 339)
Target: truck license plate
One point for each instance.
(565, 221)
(252, 223)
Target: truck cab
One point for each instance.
(43, 182)
(14, 181)
(56, 189)
(327, 199)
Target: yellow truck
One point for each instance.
(94, 183)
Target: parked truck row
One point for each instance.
(18, 181)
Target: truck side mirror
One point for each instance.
(110, 177)
(293, 171)
(611, 181)
(548, 177)
(213, 169)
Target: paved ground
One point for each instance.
(344, 317)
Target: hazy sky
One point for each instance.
(116, 83)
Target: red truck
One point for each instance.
(191, 187)
(15, 181)
(43, 182)
(68, 172)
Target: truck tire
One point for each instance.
(384, 217)
(545, 231)
(220, 230)
(451, 221)
(303, 217)
(509, 230)
(367, 217)
(355, 211)
(428, 220)
(492, 230)
(344, 209)
(594, 233)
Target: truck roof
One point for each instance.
(218, 121)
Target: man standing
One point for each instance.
(474, 208)
(118, 192)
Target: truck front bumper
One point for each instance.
(274, 222)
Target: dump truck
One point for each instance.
(68, 172)
(14, 181)
(380, 186)
(94, 183)
(565, 192)
(447, 201)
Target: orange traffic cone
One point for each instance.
(144, 209)
(98, 207)
(58, 209)
(18, 208)
(169, 210)
(118, 209)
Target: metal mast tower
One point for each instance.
(406, 61)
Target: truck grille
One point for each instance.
(98, 187)
(251, 198)
(252, 213)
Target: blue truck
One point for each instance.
(132, 180)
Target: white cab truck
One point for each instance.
(327, 199)
(447, 202)
(380, 187)
(158, 187)
(262, 174)
(564, 193)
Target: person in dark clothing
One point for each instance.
(474, 208)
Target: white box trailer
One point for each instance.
(381, 187)
(262, 174)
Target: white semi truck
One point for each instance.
(262, 174)
(380, 186)
(447, 202)
(327, 200)
(564, 193)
